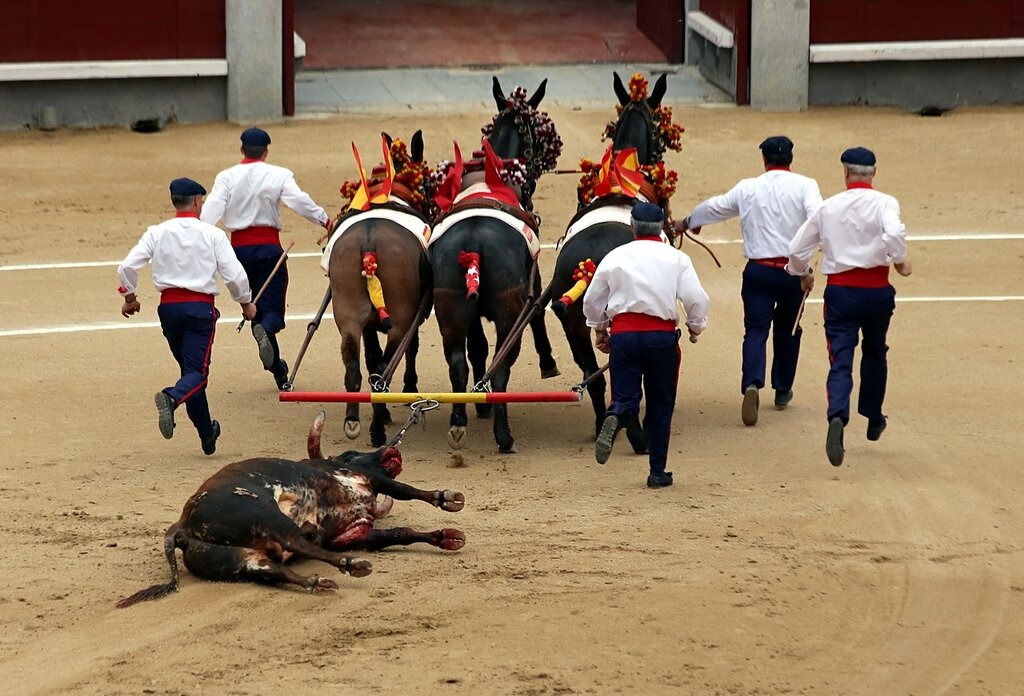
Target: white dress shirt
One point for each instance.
(646, 277)
(248, 195)
(858, 228)
(771, 208)
(186, 253)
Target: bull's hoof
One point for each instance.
(352, 429)
(319, 585)
(383, 506)
(457, 436)
(359, 569)
(452, 501)
(549, 372)
(451, 539)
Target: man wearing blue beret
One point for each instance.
(186, 255)
(248, 198)
(635, 290)
(860, 234)
(771, 208)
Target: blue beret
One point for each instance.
(776, 145)
(647, 212)
(255, 137)
(858, 155)
(187, 187)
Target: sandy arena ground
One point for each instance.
(763, 571)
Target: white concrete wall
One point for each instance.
(255, 89)
(779, 50)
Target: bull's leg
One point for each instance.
(450, 501)
(240, 564)
(376, 539)
(548, 366)
(281, 530)
(353, 380)
(478, 348)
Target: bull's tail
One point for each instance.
(375, 289)
(172, 540)
(470, 260)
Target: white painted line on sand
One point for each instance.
(973, 237)
(120, 326)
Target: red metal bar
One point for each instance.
(288, 59)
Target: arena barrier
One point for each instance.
(440, 397)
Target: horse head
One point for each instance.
(520, 132)
(637, 122)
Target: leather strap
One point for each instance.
(529, 219)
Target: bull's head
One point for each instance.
(388, 459)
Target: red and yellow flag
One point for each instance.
(620, 173)
(364, 196)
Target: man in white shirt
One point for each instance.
(860, 234)
(635, 289)
(186, 255)
(771, 208)
(248, 197)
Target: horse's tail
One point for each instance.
(470, 260)
(174, 538)
(375, 289)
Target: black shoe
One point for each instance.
(606, 438)
(281, 376)
(265, 346)
(210, 443)
(165, 413)
(876, 428)
(782, 398)
(834, 441)
(659, 479)
(751, 402)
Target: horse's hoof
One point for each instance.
(383, 506)
(451, 539)
(352, 429)
(550, 372)
(457, 436)
(510, 448)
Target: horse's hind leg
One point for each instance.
(410, 378)
(578, 335)
(478, 348)
(381, 416)
(502, 431)
(453, 325)
(353, 380)
(539, 329)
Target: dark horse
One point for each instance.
(399, 260)
(505, 275)
(635, 127)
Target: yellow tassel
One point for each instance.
(376, 291)
(576, 291)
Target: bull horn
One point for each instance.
(315, 432)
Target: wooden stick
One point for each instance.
(277, 267)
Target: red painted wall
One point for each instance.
(661, 21)
(735, 15)
(849, 21)
(49, 30)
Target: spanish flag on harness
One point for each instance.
(379, 193)
(620, 173)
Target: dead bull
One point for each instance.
(251, 517)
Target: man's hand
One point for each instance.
(904, 267)
(807, 282)
(130, 308)
(248, 310)
(683, 225)
(601, 341)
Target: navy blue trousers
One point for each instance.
(259, 260)
(646, 364)
(771, 300)
(189, 328)
(850, 313)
